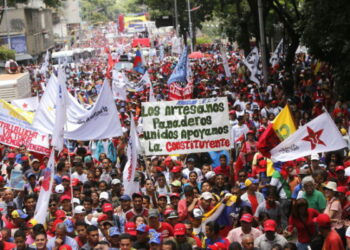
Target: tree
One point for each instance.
(327, 35)
(6, 54)
(99, 10)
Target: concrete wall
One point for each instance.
(35, 24)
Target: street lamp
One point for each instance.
(262, 41)
(190, 23)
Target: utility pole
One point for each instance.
(190, 23)
(7, 25)
(263, 41)
(176, 19)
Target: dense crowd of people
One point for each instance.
(194, 201)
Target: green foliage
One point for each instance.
(203, 40)
(327, 35)
(6, 54)
(49, 3)
(99, 10)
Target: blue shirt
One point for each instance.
(67, 241)
(215, 157)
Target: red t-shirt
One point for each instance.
(305, 229)
(165, 229)
(9, 245)
(222, 170)
(131, 213)
(253, 202)
(333, 241)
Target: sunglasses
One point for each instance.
(241, 176)
(52, 205)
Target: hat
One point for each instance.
(190, 160)
(59, 189)
(247, 218)
(24, 158)
(162, 196)
(232, 112)
(65, 247)
(125, 197)
(69, 225)
(342, 189)
(35, 160)
(75, 182)
(142, 228)
(88, 159)
(104, 195)
(32, 223)
(175, 195)
(154, 237)
(270, 225)
(250, 132)
(65, 177)
(323, 220)
(242, 186)
(11, 155)
(197, 213)
(207, 196)
(339, 168)
(65, 197)
(172, 215)
(102, 217)
(154, 158)
(79, 210)
(107, 207)
(115, 181)
(153, 213)
(176, 169)
(179, 229)
(331, 185)
(76, 201)
(130, 228)
(315, 157)
(30, 174)
(134, 195)
(18, 214)
(60, 214)
(209, 175)
(113, 231)
(250, 181)
(176, 183)
(300, 159)
(168, 211)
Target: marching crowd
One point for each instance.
(193, 201)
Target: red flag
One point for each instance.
(109, 66)
(240, 160)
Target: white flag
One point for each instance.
(317, 136)
(151, 94)
(61, 109)
(101, 121)
(27, 104)
(252, 61)
(130, 185)
(45, 64)
(277, 54)
(119, 82)
(225, 62)
(42, 205)
(45, 115)
(145, 80)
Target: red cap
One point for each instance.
(102, 217)
(60, 214)
(11, 155)
(251, 132)
(130, 228)
(300, 159)
(65, 177)
(247, 218)
(65, 197)
(65, 247)
(168, 211)
(75, 182)
(176, 169)
(270, 225)
(232, 112)
(339, 168)
(179, 229)
(175, 194)
(161, 196)
(25, 158)
(323, 220)
(107, 207)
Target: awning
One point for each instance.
(22, 57)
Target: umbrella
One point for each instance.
(196, 55)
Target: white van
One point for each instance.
(15, 86)
(60, 57)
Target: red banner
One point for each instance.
(178, 93)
